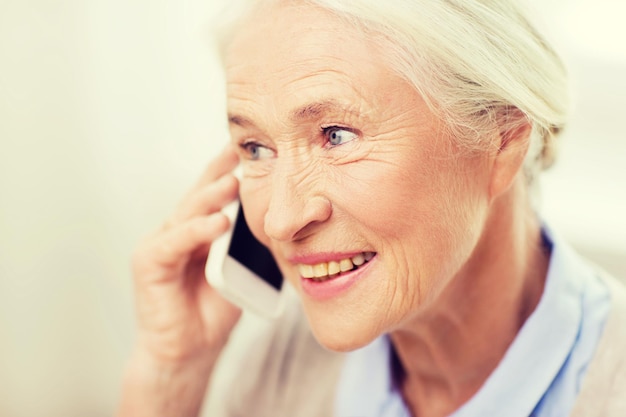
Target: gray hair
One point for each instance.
(473, 61)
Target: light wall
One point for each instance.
(110, 108)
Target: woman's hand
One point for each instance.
(183, 323)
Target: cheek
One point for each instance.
(448, 213)
(424, 217)
(392, 195)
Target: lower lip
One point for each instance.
(323, 290)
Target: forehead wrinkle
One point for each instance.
(304, 81)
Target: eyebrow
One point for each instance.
(237, 120)
(308, 112)
(315, 110)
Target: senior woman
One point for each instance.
(409, 133)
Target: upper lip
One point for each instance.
(319, 257)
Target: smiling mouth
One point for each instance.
(328, 270)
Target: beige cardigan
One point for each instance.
(277, 369)
(603, 392)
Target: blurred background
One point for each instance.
(109, 109)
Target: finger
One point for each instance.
(207, 200)
(173, 247)
(226, 161)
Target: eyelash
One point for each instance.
(247, 146)
(328, 130)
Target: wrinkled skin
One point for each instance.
(396, 185)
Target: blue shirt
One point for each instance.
(540, 374)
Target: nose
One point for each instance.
(295, 207)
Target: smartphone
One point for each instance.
(244, 271)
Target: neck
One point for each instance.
(449, 349)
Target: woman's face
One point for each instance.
(343, 162)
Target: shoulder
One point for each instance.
(602, 392)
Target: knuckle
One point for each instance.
(195, 228)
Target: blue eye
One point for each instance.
(255, 151)
(338, 136)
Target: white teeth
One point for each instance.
(334, 268)
(306, 271)
(323, 270)
(345, 265)
(320, 270)
(358, 260)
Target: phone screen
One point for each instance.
(249, 252)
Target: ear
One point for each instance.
(512, 145)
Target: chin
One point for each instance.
(343, 332)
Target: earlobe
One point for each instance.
(513, 143)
